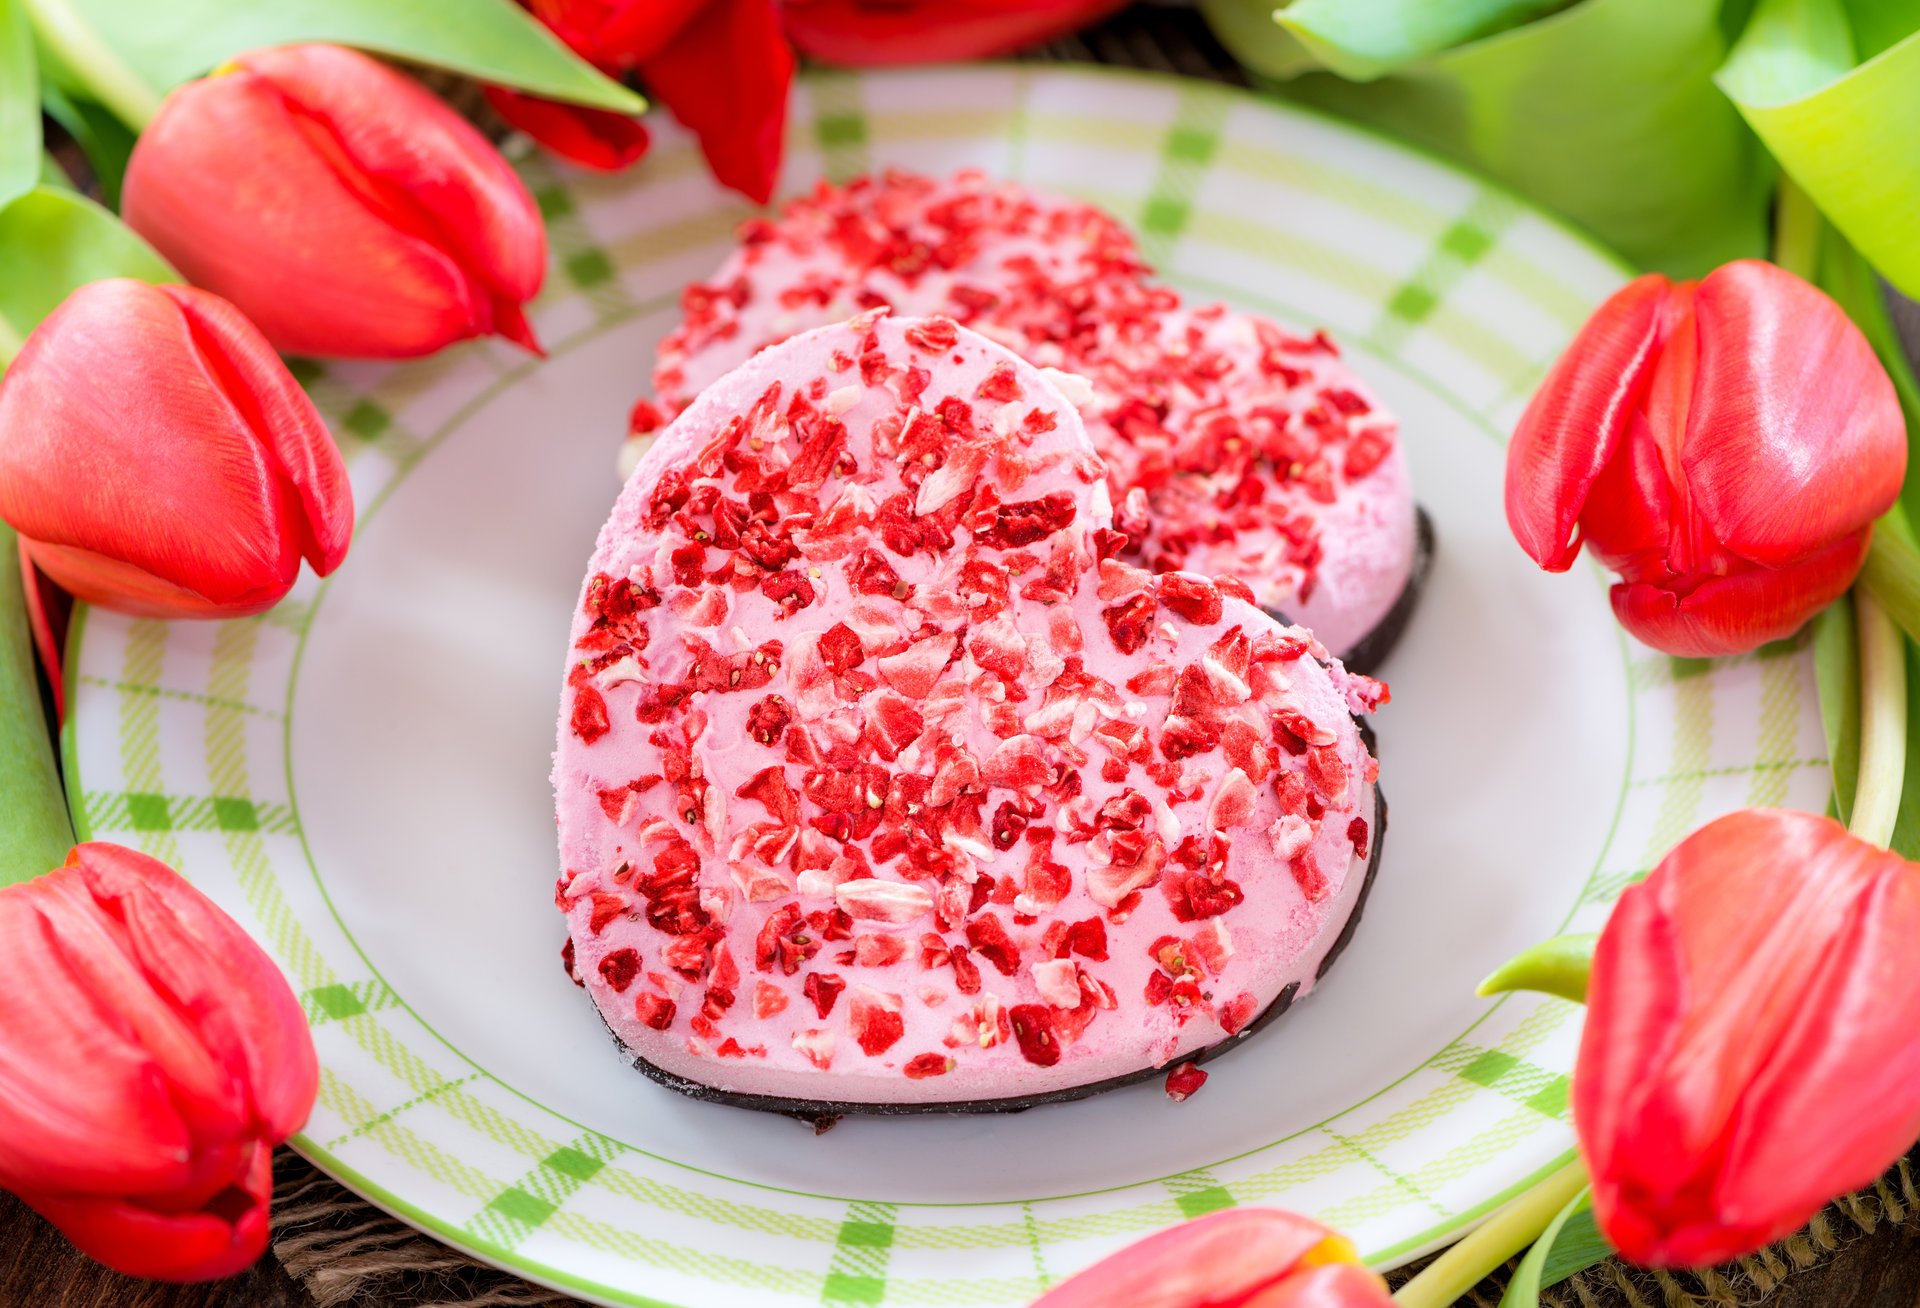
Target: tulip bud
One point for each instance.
(340, 205)
(1254, 1257)
(151, 1056)
(1749, 1051)
(158, 458)
(1724, 446)
(872, 33)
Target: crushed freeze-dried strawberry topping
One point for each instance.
(946, 766)
(1227, 437)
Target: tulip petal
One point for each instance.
(634, 33)
(157, 482)
(283, 420)
(726, 77)
(1734, 614)
(1221, 1258)
(1577, 419)
(1335, 1285)
(591, 138)
(1795, 437)
(223, 1238)
(338, 204)
(863, 34)
(1732, 1037)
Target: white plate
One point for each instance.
(360, 776)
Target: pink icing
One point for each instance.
(1194, 790)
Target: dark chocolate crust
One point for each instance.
(1372, 649)
(822, 1113)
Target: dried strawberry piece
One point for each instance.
(1193, 598)
(567, 962)
(768, 719)
(821, 989)
(790, 590)
(655, 1011)
(1025, 521)
(606, 907)
(874, 1021)
(933, 335)
(922, 1066)
(1130, 622)
(988, 936)
(1357, 835)
(589, 720)
(869, 573)
(1033, 1028)
(784, 938)
(1183, 1080)
(619, 968)
(1089, 939)
(840, 647)
(1194, 897)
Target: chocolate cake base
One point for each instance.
(1372, 649)
(823, 1113)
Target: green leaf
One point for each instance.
(106, 141)
(158, 44)
(1605, 111)
(1836, 669)
(1559, 966)
(1847, 278)
(1523, 1291)
(1906, 825)
(52, 174)
(51, 241)
(36, 835)
(1833, 88)
(1363, 39)
(19, 104)
(1578, 1247)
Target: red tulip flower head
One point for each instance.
(1749, 1050)
(340, 205)
(722, 66)
(151, 1056)
(867, 33)
(158, 458)
(1724, 446)
(1239, 1258)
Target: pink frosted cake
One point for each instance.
(1235, 448)
(883, 785)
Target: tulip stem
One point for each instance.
(36, 832)
(1487, 1246)
(76, 45)
(1883, 721)
(1796, 230)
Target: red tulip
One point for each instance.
(1724, 446)
(1238, 1258)
(151, 1056)
(866, 33)
(1749, 1050)
(158, 458)
(722, 66)
(340, 205)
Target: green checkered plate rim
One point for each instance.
(179, 736)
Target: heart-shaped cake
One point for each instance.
(1235, 448)
(884, 783)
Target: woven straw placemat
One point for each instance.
(348, 1254)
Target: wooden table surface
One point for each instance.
(38, 1269)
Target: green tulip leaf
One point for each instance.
(1833, 88)
(106, 141)
(19, 104)
(53, 240)
(1578, 1247)
(36, 835)
(1559, 966)
(1605, 111)
(131, 52)
(1364, 39)
(1532, 1275)
(52, 174)
(1836, 670)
